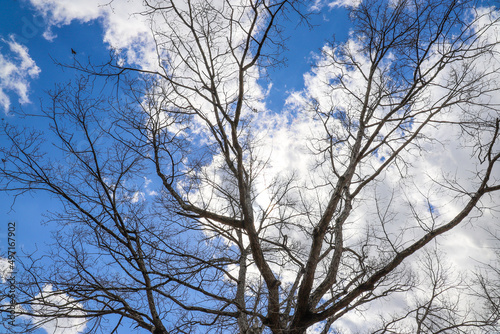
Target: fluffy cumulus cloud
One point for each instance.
(124, 27)
(60, 325)
(17, 68)
(161, 41)
(436, 176)
(5, 269)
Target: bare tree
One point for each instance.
(225, 243)
(443, 305)
(487, 285)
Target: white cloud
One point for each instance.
(147, 181)
(123, 27)
(59, 325)
(5, 270)
(344, 3)
(136, 197)
(451, 156)
(131, 34)
(16, 68)
(319, 4)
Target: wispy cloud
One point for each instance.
(318, 4)
(17, 68)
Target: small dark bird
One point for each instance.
(73, 51)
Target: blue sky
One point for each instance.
(19, 22)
